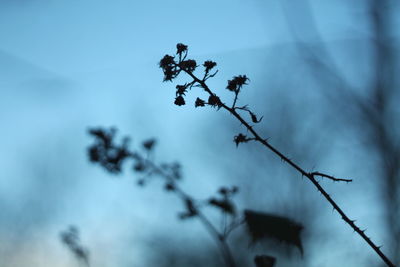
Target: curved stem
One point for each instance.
(219, 239)
(225, 250)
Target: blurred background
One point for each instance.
(322, 73)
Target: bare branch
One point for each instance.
(112, 156)
(177, 68)
(331, 177)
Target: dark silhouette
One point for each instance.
(172, 66)
(263, 225)
(70, 238)
(112, 156)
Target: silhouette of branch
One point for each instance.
(331, 177)
(112, 156)
(219, 238)
(232, 227)
(70, 238)
(173, 68)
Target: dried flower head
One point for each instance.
(180, 48)
(208, 65)
(149, 144)
(188, 65)
(199, 103)
(181, 89)
(224, 204)
(179, 101)
(214, 101)
(168, 65)
(236, 83)
(240, 138)
(105, 152)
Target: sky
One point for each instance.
(68, 65)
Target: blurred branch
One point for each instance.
(331, 177)
(318, 57)
(219, 238)
(111, 156)
(70, 238)
(373, 109)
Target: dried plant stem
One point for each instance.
(221, 242)
(217, 236)
(310, 176)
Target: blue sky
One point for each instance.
(68, 65)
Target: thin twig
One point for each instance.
(218, 237)
(331, 177)
(232, 227)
